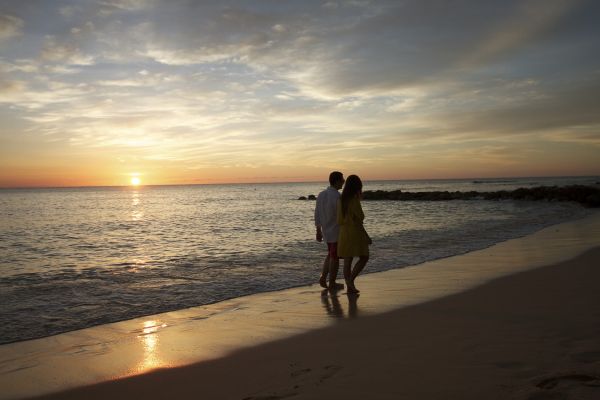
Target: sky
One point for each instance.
(183, 92)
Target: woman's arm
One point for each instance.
(369, 240)
(360, 216)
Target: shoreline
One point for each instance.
(184, 337)
(531, 335)
(302, 285)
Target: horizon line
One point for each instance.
(289, 182)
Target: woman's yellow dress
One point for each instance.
(352, 240)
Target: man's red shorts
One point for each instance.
(332, 250)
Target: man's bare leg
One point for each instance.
(334, 265)
(323, 279)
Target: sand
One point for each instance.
(534, 334)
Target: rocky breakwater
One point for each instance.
(310, 197)
(586, 195)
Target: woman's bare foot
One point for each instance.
(351, 288)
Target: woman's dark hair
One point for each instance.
(352, 187)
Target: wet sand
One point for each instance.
(534, 335)
(516, 320)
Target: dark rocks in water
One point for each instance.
(310, 197)
(418, 196)
(586, 195)
(592, 200)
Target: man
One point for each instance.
(328, 229)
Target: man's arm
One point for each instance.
(319, 233)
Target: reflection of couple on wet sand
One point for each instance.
(339, 222)
(332, 304)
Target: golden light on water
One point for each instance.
(137, 212)
(150, 340)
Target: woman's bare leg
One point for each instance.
(358, 267)
(348, 275)
(347, 268)
(348, 271)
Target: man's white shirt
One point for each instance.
(326, 214)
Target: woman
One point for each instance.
(353, 240)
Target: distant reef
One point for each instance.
(586, 195)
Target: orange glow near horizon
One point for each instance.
(136, 182)
(115, 169)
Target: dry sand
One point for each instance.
(533, 335)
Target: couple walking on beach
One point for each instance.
(339, 222)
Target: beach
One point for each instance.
(516, 320)
(531, 336)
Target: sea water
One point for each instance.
(72, 258)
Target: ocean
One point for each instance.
(72, 258)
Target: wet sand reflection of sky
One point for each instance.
(150, 342)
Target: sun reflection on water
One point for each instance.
(137, 213)
(150, 342)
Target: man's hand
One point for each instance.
(319, 235)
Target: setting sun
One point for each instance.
(135, 181)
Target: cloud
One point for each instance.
(401, 45)
(187, 57)
(563, 107)
(371, 51)
(10, 26)
(65, 52)
(68, 11)
(36, 98)
(61, 69)
(122, 83)
(298, 83)
(528, 22)
(107, 8)
(10, 89)
(27, 66)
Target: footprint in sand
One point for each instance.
(510, 365)
(587, 357)
(547, 396)
(270, 397)
(299, 372)
(302, 377)
(551, 383)
(316, 376)
(567, 386)
(330, 370)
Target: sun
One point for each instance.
(135, 181)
